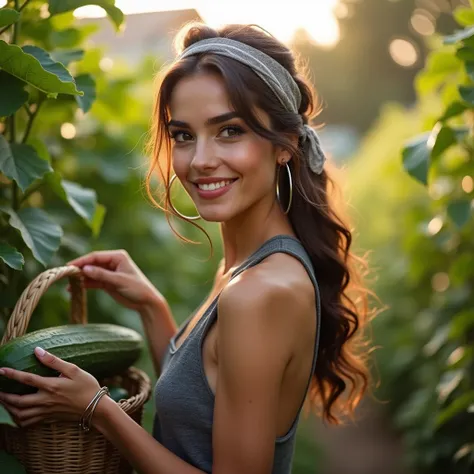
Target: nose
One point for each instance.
(204, 158)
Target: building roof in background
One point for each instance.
(144, 33)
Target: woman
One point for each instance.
(231, 122)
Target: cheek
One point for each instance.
(180, 161)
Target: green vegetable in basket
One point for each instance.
(103, 350)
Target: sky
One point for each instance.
(279, 18)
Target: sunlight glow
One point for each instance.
(317, 18)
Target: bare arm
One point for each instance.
(160, 327)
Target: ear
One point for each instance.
(282, 155)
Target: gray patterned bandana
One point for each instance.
(275, 76)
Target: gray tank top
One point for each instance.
(183, 398)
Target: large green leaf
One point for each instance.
(82, 200)
(11, 256)
(459, 36)
(459, 211)
(21, 163)
(86, 84)
(66, 56)
(12, 94)
(36, 67)
(10, 463)
(416, 158)
(40, 233)
(61, 6)
(8, 16)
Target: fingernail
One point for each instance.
(88, 269)
(2, 372)
(40, 351)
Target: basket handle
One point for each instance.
(30, 297)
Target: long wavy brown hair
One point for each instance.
(341, 375)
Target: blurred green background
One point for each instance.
(396, 84)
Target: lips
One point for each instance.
(214, 188)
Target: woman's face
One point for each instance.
(224, 166)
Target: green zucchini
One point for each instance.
(103, 350)
(118, 393)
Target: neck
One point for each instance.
(245, 233)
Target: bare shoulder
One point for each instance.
(276, 293)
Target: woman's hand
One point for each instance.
(117, 274)
(63, 397)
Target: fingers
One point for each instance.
(107, 258)
(66, 368)
(103, 276)
(22, 401)
(33, 380)
(25, 417)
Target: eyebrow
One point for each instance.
(211, 121)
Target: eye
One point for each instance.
(231, 131)
(181, 136)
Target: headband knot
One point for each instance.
(275, 76)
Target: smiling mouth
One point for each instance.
(215, 186)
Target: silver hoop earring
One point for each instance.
(188, 218)
(290, 181)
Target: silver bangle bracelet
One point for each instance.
(86, 417)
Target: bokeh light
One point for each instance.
(68, 130)
(423, 22)
(440, 282)
(467, 184)
(403, 52)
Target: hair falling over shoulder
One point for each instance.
(341, 376)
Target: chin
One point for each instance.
(216, 215)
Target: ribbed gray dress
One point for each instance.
(183, 399)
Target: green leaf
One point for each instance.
(469, 66)
(5, 419)
(461, 323)
(98, 220)
(10, 463)
(444, 139)
(67, 56)
(439, 65)
(8, 16)
(467, 94)
(11, 256)
(61, 6)
(454, 109)
(416, 158)
(465, 53)
(21, 163)
(36, 67)
(459, 211)
(459, 405)
(86, 84)
(40, 233)
(12, 94)
(462, 269)
(71, 37)
(460, 35)
(464, 16)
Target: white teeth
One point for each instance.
(213, 186)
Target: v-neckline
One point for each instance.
(173, 348)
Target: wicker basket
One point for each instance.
(62, 447)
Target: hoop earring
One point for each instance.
(188, 218)
(278, 187)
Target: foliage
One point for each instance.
(421, 232)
